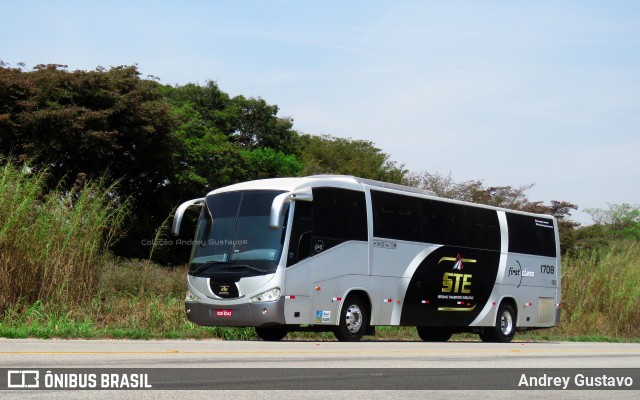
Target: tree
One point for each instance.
(203, 159)
(619, 221)
(210, 103)
(589, 237)
(264, 162)
(256, 125)
(330, 155)
(247, 122)
(101, 123)
(92, 122)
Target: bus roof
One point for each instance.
(345, 181)
(348, 182)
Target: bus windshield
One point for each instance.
(233, 234)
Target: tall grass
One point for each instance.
(134, 299)
(601, 292)
(51, 240)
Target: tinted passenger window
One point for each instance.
(395, 216)
(531, 235)
(483, 228)
(338, 215)
(443, 223)
(410, 218)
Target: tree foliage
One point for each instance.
(224, 140)
(330, 155)
(256, 125)
(92, 122)
(204, 159)
(266, 162)
(247, 122)
(619, 221)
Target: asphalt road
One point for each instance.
(183, 354)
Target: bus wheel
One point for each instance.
(505, 327)
(354, 320)
(271, 334)
(430, 334)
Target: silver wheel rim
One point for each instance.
(506, 323)
(354, 318)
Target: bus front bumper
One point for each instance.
(251, 314)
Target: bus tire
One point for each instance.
(354, 320)
(505, 327)
(271, 334)
(431, 334)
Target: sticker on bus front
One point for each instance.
(326, 316)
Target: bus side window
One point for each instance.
(300, 244)
(483, 228)
(395, 216)
(339, 215)
(531, 235)
(443, 223)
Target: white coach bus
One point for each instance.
(345, 254)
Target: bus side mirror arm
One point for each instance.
(279, 202)
(177, 217)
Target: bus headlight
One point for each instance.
(191, 298)
(271, 295)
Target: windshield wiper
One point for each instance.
(229, 265)
(205, 266)
(234, 266)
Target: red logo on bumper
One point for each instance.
(224, 313)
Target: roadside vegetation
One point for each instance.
(140, 300)
(59, 280)
(51, 240)
(601, 292)
(92, 163)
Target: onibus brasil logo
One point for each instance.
(33, 379)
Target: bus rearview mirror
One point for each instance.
(177, 217)
(280, 200)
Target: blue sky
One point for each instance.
(508, 92)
